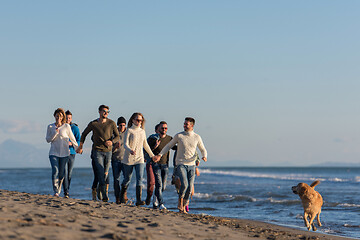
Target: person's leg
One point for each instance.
(150, 180)
(99, 158)
(164, 174)
(54, 161)
(116, 169)
(62, 164)
(68, 173)
(191, 179)
(107, 161)
(95, 181)
(127, 173)
(182, 174)
(139, 169)
(158, 183)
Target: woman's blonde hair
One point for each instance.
(130, 122)
(61, 111)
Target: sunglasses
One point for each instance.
(138, 120)
(164, 128)
(106, 111)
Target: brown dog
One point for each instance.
(311, 201)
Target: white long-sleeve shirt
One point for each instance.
(187, 142)
(135, 140)
(60, 140)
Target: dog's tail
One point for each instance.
(315, 183)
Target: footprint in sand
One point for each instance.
(120, 224)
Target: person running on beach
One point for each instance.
(187, 142)
(134, 143)
(59, 134)
(161, 167)
(105, 135)
(70, 165)
(150, 178)
(117, 157)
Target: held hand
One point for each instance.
(108, 143)
(156, 158)
(79, 150)
(70, 144)
(132, 152)
(204, 158)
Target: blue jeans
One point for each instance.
(102, 165)
(116, 168)
(128, 170)
(186, 174)
(68, 173)
(160, 173)
(58, 171)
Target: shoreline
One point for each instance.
(34, 216)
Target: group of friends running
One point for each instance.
(126, 147)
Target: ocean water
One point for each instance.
(248, 193)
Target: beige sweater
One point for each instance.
(187, 142)
(135, 140)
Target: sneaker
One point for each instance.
(56, 195)
(66, 195)
(162, 206)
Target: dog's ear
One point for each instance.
(303, 191)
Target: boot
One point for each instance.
(148, 199)
(107, 191)
(139, 202)
(123, 197)
(98, 192)
(181, 205)
(104, 191)
(93, 193)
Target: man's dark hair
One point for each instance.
(157, 126)
(68, 112)
(162, 122)
(190, 119)
(102, 107)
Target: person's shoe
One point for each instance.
(105, 199)
(93, 193)
(187, 208)
(148, 199)
(123, 197)
(66, 195)
(56, 195)
(118, 200)
(162, 206)
(139, 202)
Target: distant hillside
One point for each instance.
(15, 154)
(336, 164)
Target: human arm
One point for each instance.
(71, 136)
(115, 136)
(127, 142)
(86, 131)
(202, 149)
(51, 133)
(146, 145)
(166, 148)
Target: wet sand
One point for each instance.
(32, 216)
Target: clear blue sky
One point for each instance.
(268, 82)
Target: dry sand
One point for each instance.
(31, 216)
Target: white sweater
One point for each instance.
(187, 142)
(135, 140)
(60, 140)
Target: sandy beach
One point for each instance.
(32, 216)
